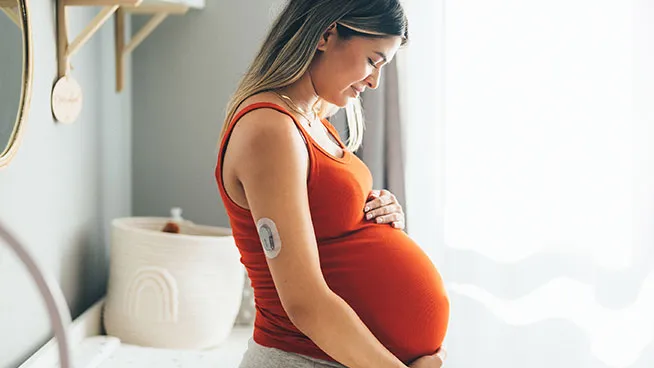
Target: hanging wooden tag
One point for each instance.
(66, 100)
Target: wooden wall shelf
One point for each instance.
(159, 9)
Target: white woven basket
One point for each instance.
(174, 291)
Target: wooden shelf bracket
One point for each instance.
(66, 49)
(158, 9)
(158, 13)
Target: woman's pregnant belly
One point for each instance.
(392, 285)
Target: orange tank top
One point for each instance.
(378, 270)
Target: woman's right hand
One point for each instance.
(431, 361)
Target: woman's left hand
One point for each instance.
(383, 208)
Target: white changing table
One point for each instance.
(90, 349)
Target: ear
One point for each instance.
(330, 32)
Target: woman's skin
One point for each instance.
(266, 154)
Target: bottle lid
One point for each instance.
(176, 214)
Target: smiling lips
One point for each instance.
(357, 91)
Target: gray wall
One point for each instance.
(63, 186)
(184, 75)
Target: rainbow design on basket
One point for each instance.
(163, 284)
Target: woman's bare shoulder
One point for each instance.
(263, 121)
(262, 130)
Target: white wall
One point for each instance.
(184, 75)
(64, 185)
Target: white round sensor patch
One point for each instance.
(269, 236)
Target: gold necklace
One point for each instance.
(297, 108)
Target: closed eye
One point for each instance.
(372, 63)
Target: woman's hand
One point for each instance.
(431, 361)
(383, 208)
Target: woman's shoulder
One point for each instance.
(267, 127)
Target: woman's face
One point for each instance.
(342, 69)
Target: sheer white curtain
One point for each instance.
(530, 176)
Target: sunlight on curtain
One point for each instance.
(541, 206)
(539, 125)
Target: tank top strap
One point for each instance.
(267, 105)
(264, 105)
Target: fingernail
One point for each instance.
(369, 216)
(379, 220)
(367, 209)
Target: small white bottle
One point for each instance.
(176, 214)
(175, 224)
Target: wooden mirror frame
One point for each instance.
(9, 151)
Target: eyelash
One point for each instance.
(372, 63)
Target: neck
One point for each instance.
(302, 92)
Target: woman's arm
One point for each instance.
(272, 169)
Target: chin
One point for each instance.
(344, 102)
(340, 101)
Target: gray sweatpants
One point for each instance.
(258, 356)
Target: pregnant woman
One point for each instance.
(337, 281)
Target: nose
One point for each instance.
(373, 79)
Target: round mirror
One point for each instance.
(15, 74)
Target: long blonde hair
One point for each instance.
(290, 47)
